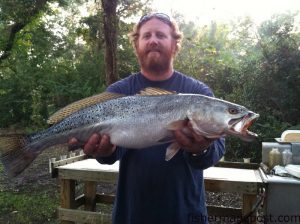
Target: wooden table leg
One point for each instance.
(248, 202)
(67, 196)
(90, 188)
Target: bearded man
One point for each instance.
(151, 190)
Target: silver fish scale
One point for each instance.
(144, 120)
(121, 108)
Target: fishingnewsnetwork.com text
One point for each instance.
(198, 219)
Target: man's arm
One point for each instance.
(209, 157)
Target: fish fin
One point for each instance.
(150, 91)
(15, 153)
(80, 104)
(172, 150)
(176, 125)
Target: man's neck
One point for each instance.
(157, 76)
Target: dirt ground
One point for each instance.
(37, 177)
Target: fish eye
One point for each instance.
(233, 110)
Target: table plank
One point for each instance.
(231, 174)
(91, 165)
(90, 170)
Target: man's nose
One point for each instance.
(153, 40)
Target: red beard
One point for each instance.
(155, 59)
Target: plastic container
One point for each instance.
(275, 158)
(287, 157)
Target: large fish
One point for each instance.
(135, 122)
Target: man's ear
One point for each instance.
(174, 48)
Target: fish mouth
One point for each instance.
(239, 126)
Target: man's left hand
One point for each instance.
(193, 142)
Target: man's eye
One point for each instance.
(160, 35)
(146, 36)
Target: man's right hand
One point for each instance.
(96, 145)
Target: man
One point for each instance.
(151, 190)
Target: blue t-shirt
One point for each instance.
(151, 190)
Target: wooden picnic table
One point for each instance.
(217, 179)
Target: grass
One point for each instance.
(33, 197)
(35, 207)
(31, 204)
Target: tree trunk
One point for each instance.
(110, 37)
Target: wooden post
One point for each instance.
(248, 201)
(51, 167)
(90, 188)
(67, 198)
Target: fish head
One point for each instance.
(219, 117)
(239, 126)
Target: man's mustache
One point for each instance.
(153, 49)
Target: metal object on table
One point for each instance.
(282, 203)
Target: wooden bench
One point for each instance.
(246, 182)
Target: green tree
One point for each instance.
(279, 40)
(57, 58)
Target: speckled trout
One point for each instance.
(134, 122)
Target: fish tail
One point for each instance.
(15, 153)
